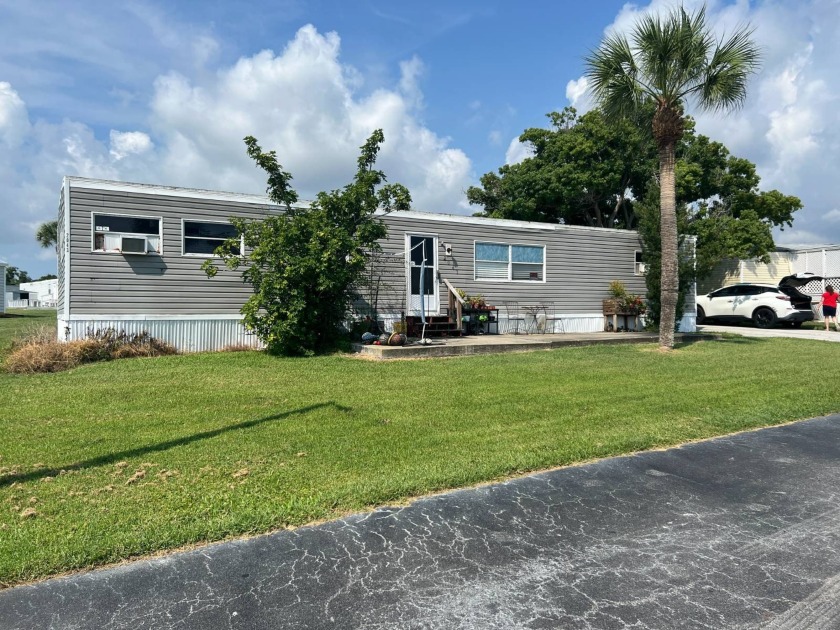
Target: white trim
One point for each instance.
(266, 203)
(510, 263)
(66, 245)
(436, 284)
(636, 270)
(173, 191)
(507, 223)
(151, 317)
(93, 249)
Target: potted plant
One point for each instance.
(616, 300)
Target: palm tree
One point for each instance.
(47, 234)
(671, 61)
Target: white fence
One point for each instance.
(30, 304)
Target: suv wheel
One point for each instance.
(764, 317)
(701, 315)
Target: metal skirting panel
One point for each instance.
(572, 323)
(577, 323)
(187, 335)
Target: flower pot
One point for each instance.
(611, 306)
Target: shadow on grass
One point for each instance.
(40, 473)
(727, 338)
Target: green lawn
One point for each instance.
(16, 323)
(118, 459)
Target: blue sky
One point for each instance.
(163, 92)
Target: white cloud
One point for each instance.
(832, 216)
(576, 93)
(494, 137)
(790, 124)
(411, 72)
(798, 238)
(14, 119)
(303, 103)
(128, 143)
(517, 151)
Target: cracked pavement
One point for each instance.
(737, 532)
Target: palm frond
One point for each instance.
(613, 77)
(672, 59)
(724, 84)
(672, 51)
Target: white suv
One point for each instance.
(763, 304)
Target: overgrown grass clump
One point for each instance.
(118, 459)
(18, 323)
(42, 352)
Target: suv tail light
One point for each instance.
(783, 297)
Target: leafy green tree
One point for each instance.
(49, 276)
(725, 209)
(648, 214)
(584, 171)
(671, 60)
(16, 276)
(47, 234)
(305, 263)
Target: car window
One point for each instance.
(724, 292)
(758, 290)
(743, 290)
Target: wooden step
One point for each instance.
(436, 326)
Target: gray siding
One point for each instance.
(166, 284)
(2, 288)
(580, 262)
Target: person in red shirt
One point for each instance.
(828, 301)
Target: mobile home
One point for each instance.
(130, 257)
(2, 287)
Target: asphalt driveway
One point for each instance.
(738, 532)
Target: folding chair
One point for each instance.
(512, 317)
(551, 317)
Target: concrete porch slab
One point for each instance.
(494, 344)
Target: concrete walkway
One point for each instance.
(793, 333)
(495, 344)
(739, 532)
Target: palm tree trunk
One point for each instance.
(669, 281)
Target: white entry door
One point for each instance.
(421, 262)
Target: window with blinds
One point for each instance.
(520, 263)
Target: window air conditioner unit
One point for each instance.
(641, 268)
(134, 245)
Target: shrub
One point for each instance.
(42, 352)
(305, 264)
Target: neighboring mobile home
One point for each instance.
(130, 257)
(821, 260)
(2, 287)
(40, 293)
